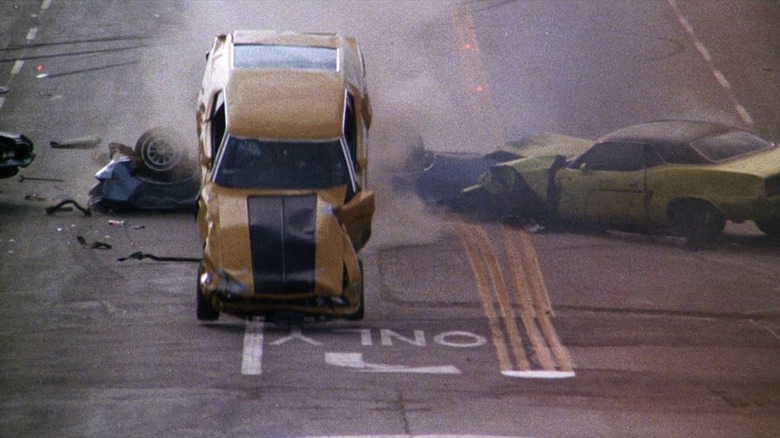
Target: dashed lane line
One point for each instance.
(707, 57)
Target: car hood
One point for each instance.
(536, 145)
(277, 242)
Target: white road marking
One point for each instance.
(295, 333)
(355, 360)
(417, 436)
(765, 327)
(540, 374)
(252, 359)
(31, 33)
(45, 5)
(17, 67)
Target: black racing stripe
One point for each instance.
(282, 241)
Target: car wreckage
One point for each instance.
(685, 177)
(157, 174)
(283, 209)
(16, 151)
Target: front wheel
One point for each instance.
(361, 310)
(770, 227)
(699, 222)
(205, 311)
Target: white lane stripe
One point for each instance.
(45, 5)
(744, 114)
(2, 101)
(252, 360)
(703, 51)
(17, 67)
(721, 78)
(31, 33)
(540, 374)
(705, 54)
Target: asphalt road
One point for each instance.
(471, 329)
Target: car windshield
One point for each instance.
(295, 57)
(729, 145)
(252, 163)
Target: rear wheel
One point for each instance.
(697, 221)
(205, 311)
(771, 227)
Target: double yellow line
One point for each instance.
(550, 358)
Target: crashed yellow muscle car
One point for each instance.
(283, 209)
(689, 177)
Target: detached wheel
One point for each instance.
(699, 222)
(162, 150)
(771, 228)
(205, 311)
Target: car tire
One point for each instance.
(771, 228)
(161, 150)
(699, 222)
(205, 311)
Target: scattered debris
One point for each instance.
(77, 143)
(155, 175)
(94, 245)
(59, 207)
(4, 90)
(138, 227)
(116, 222)
(23, 178)
(140, 256)
(34, 197)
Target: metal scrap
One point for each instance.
(141, 255)
(81, 143)
(93, 245)
(59, 207)
(23, 178)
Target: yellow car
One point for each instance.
(687, 176)
(283, 209)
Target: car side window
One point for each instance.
(616, 157)
(652, 157)
(350, 130)
(218, 124)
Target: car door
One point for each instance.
(607, 184)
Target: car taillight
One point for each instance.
(772, 186)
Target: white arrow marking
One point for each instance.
(355, 360)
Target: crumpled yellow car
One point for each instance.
(689, 177)
(283, 210)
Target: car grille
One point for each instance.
(282, 240)
(772, 186)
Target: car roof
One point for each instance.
(668, 132)
(272, 37)
(285, 104)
